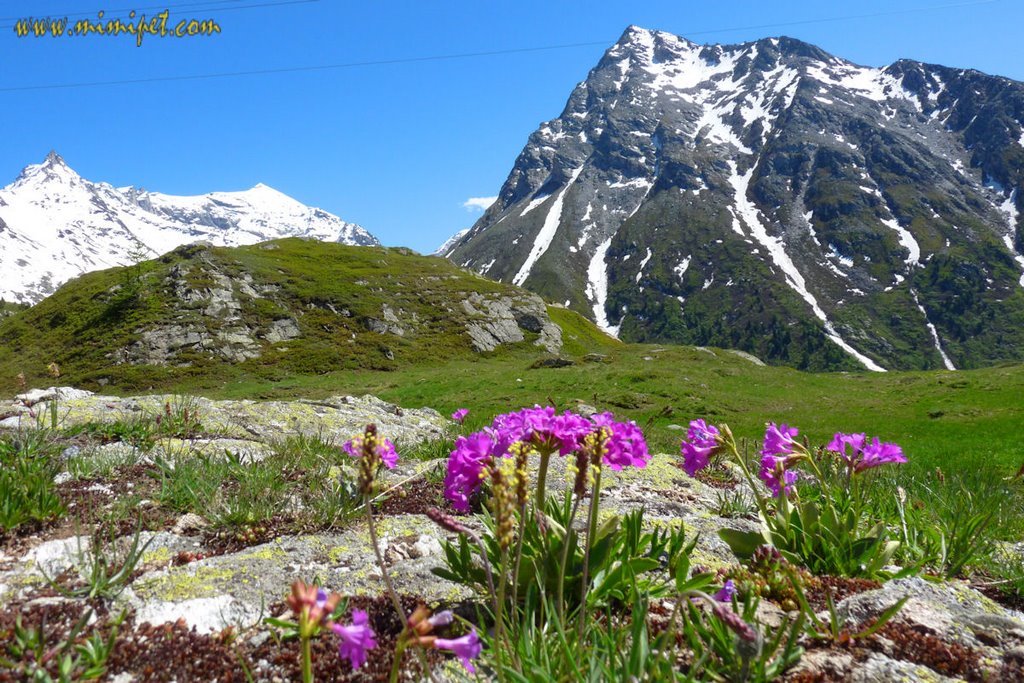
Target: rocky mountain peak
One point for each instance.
(53, 159)
(52, 169)
(772, 197)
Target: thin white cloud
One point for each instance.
(478, 203)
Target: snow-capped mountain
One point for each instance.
(55, 225)
(771, 197)
(450, 243)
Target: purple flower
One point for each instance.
(568, 431)
(699, 445)
(441, 619)
(861, 455)
(465, 648)
(878, 453)
(460, 415)
(694, 459)
(355, 640)
(466, 463)
(521, 425)
(848, 446)
(727, 591)
(702, 434)
(778, 440)
(627, 447)
(776, 477)
(542, 428)
(385, 449)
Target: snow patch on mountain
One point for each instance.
(597, 287)
(750, 215)
(55, 225)
(907, 241)
(450, 243)
(534, 203)
(1009, 210)
(935, 335)
(547, 231)
(682, 267)
(643, 264)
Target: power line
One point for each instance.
(128, 9)
(294, 69)
(203, 5)
(460, 55)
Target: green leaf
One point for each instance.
(884, 617)
(609, 527)
(742, 543)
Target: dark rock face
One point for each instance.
(772, 198)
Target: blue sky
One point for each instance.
(397, 147)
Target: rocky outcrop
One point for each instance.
(237, 425)
(210, 321)
(506, 320)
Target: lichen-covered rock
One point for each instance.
(31, 398)
(243, 422)
(282, 330)
(877, 668)
(952, 610)
(53, 557)
(234, 589)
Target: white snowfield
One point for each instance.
(55, 225)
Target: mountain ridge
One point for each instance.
(55, 225)
(857, 193)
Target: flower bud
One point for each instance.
(735, 623)
(446, 522)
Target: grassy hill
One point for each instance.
(203, 317)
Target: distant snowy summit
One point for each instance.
(450, 243)
(55, 225)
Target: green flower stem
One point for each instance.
(565, 559)
(307, 659)
(591, 532)
(758, 498)
(499, 618)
(855, 499)
(814, 466)
(594, 505)
(542, 477)
(399, 651)
(518, 555)
(51, 409)
(395, 602)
